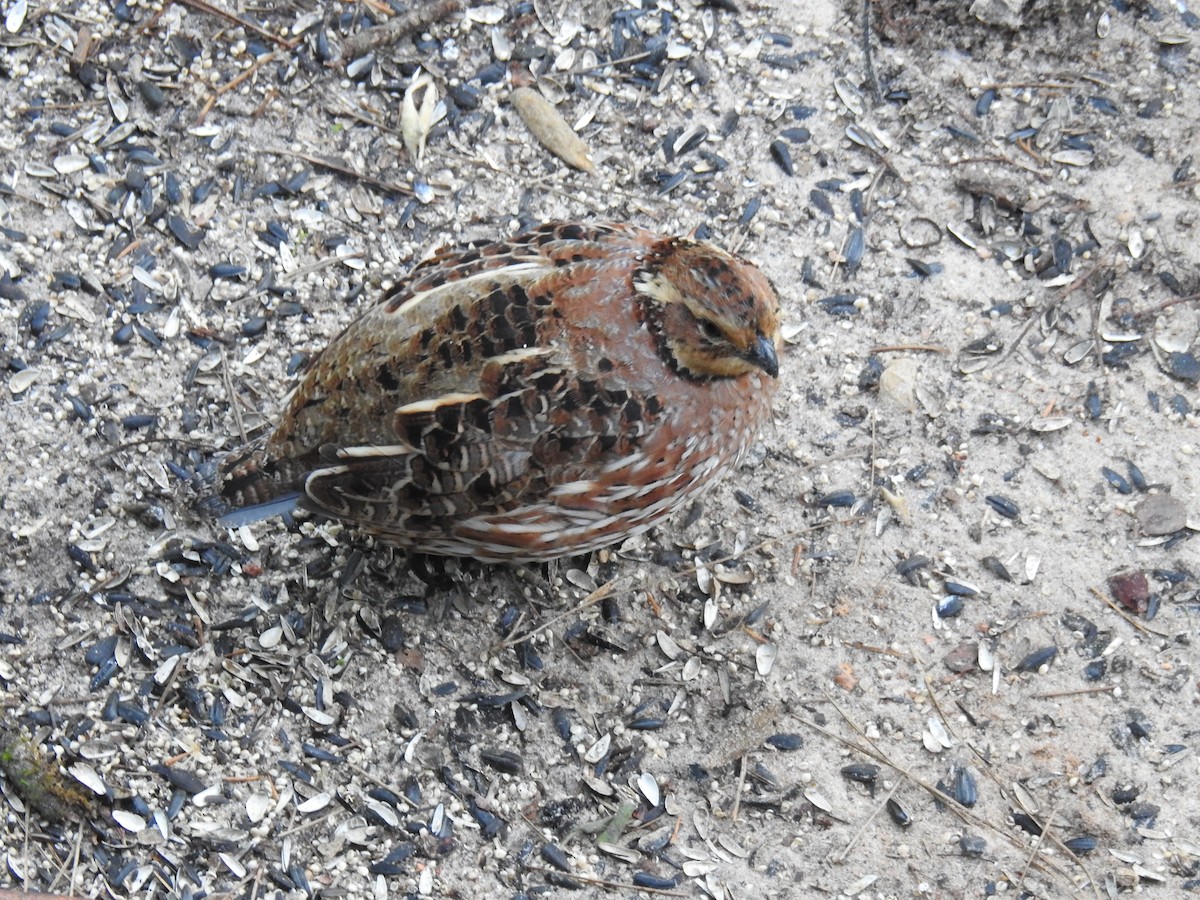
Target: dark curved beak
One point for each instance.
(762, 354)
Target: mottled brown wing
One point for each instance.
(432, 334)
(461, 395)
(453, 456)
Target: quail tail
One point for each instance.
(246, 486)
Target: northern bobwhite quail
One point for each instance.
(527, 399)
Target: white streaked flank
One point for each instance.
(433, 403)
(503, 275)
(574, 488)
(521, 354)
(376, 451)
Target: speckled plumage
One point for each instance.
(528, 399)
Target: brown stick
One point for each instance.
(341, 168)
(1067, 290)
(420, 16)
(905, 348)
(1166, 304)
(206, 7)
(233, 83)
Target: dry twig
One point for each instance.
(205, 7)
(418, 16)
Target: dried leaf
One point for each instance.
(415, 124)
(551, 129)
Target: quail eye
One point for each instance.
(710, 330)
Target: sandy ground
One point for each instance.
(760, 700)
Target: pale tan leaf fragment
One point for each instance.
(551, 129)
(415, 124)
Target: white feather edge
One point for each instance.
(505, 274)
